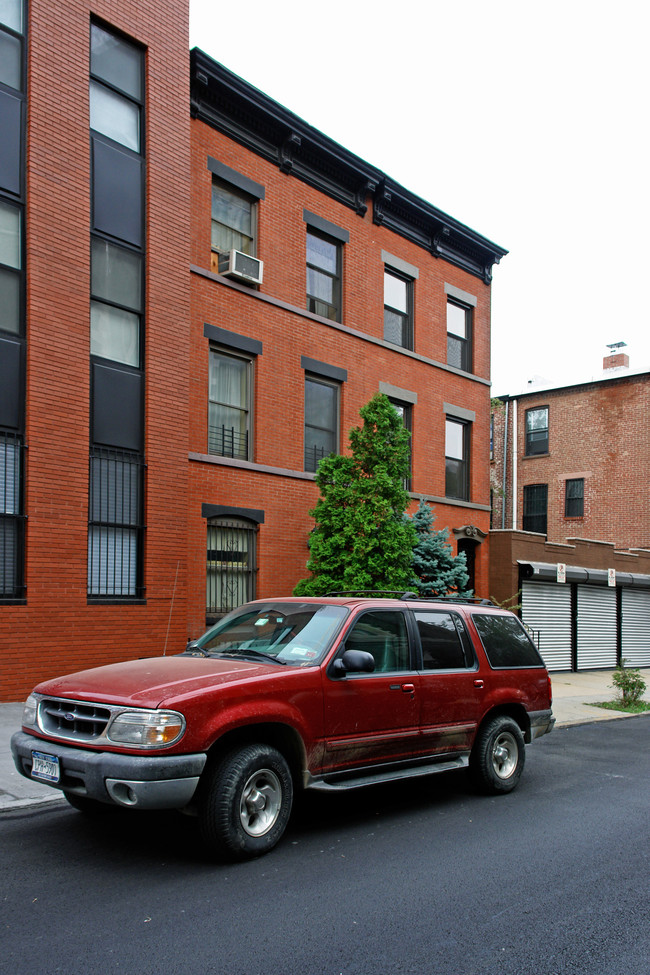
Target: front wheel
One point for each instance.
(247, 802)
(498, 756)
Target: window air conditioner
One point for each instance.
(236, 264)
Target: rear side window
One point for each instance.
(506, 642)
(440, 636)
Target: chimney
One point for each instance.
(616, 359)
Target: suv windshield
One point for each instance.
(292, 633)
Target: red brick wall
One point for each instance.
(600, 432)
(287, 334)
(56, 630)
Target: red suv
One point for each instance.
(288, 694)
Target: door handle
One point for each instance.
(479, 683)
(408, 688)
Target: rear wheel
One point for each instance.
(246, 803)
(498, 756)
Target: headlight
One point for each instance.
(146, 729)
(29, 711)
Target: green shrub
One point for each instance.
(629, 682)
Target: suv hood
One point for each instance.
(150, 682)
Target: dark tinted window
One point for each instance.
(506, 642)
(440, 639)
(383, 634)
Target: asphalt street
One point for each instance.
(423, 877)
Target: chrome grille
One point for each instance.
(74, 720)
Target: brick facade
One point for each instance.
(55, 627)
(598, 432)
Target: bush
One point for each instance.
(630, 683)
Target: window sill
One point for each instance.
(115, 601)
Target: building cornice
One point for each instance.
(229, 104)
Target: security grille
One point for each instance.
(115, 526)
(230, 576)
(12, 522)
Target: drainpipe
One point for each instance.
(514, 465)
(505, 465)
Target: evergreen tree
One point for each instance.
(362, 539)
(437, 571)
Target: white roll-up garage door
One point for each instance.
(635, 627)
(596, 627)
(546, 609)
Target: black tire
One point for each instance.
(86, 805)
(498, 756)
(246, 803)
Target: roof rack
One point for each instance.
(411, 596)
(362, 593)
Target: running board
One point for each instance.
(352, 781)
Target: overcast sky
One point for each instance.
(528, 122)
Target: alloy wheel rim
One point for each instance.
(261, 801)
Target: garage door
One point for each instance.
(635, 627)
(546, 609)
(596, 627)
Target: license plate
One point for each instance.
(45, 767)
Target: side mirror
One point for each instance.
(354, 662)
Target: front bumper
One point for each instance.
(142, 781)
(541, 723)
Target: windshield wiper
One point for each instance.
(193, 646)
(243, 652)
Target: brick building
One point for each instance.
(198, 297)
(94, 352)
(570, 535)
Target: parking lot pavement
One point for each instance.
(573, 703)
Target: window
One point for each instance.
(115, 88)
(459, 335)
(115, 524)
(457, 459)
(231, 555)
(405, 412)
(382, 634)
(442, 637)
(506, 642)
(116, 302)
(321, 420)
(11, 57)
(11, 520)
(574, 498)
(398, 309)
(229, 406)
(537, 431)
(323, 276)
(233, 219)
(10, 267)
(535, 508)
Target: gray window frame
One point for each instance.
(247, 452)
(574, 499)
(311, 377)
(463, 463)
(535, 444)
(532, 518)
(465, 344)
(405, 316)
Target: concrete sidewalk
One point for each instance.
(573, 697)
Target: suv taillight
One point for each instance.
(550, 690)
